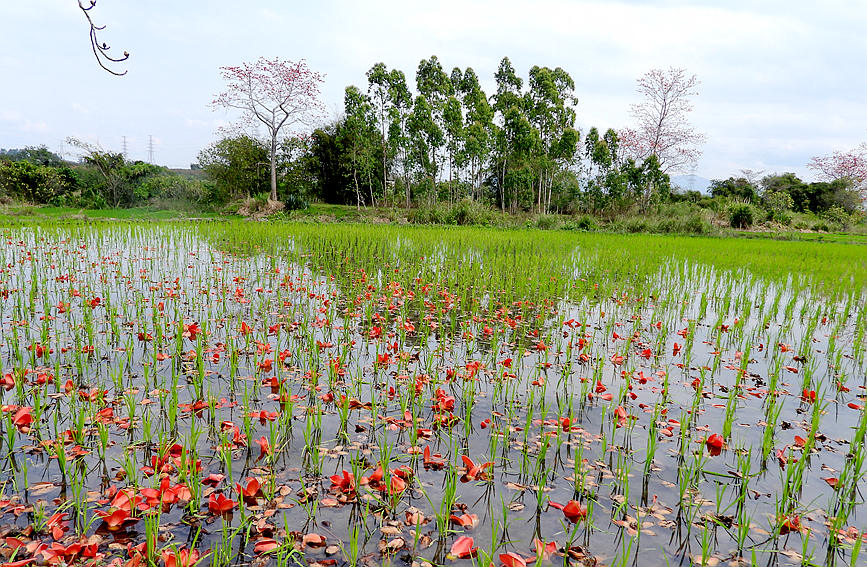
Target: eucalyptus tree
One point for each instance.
(380, 91)
(509, 107)
(435, 86)
(551, 107)
(399, 111)
(424, 136)
(478, 125)
(358, 137)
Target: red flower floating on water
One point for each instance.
(463, 548)
(117, 520)
(219, 504)
(714, 444)
(432, 461)
(572, 510)
(250, 491)
(474, 471)
(181, 558)
(264, 447)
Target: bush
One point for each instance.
(636, 225)
(168, 186)
(37, 184)
(837, 215)
(782, 217)
(469, 212)
(696, 225)
(741, 216)
(586, 223)
(295, 202)
(668, 226)
(821, 227)
(547, 222)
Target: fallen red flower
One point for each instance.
(463, 548)
(714, 444)
(219, 504)
(573, 510)
(474, 471)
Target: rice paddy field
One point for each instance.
(277, 394)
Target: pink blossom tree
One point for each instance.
(280, 95)
(662, 126)
(850, 165)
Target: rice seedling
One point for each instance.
(155, 369)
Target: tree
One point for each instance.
(851, 165)
(380, 88)
(281, 95)
(235, 166)
(358, 138)
(37, 155)
(111, 167)
(662, 125)
(100, 49)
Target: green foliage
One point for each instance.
(35, 183)
(813, 197)
(738, 189)
(238, 166)
(586, 223)
(741, 216)
(168, 186)
(838, 216)
(38, 155)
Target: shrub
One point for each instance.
(295, 202)
(740, 216)
(837, 215)
(469, 212)
(821, 227)
(696, 225)
(34, 183)
(547, 222)
(586, 223)
(636, 225)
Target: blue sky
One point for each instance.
(779, 82)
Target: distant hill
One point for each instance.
(691, 182)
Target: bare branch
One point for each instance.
(100, 49)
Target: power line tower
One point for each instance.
(125, 152)
(150, 148)
(62, 148)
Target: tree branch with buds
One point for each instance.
(100, 49)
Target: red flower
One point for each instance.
(714, 444)
(219, 504)
(250, 491)
(181, 558)
(512, 559)
(573, 510)
(116, 520)
(264, 447)
(463, 547)
(474, 471)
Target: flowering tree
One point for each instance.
(850, 165)
(281, 95)
(662, 126)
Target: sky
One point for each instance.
(780, 81)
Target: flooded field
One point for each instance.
(236, 393)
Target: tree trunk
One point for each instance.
(273, 168)
(357, 189)
(503, 187)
